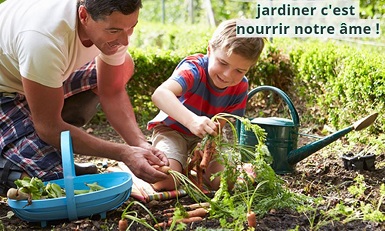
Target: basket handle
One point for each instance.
(284, 96)
(69, 173)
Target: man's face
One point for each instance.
(110, 33)
(224, 70)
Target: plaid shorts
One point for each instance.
(19, 142)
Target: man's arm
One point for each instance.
(46, 104)
(115, 101)
(116, 104)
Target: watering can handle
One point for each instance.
(284, 96)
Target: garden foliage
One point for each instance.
(343, 81)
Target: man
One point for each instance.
(58, 60)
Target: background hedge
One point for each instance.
(343, 82)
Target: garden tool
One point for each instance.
(282, 134)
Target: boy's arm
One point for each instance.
(165, 98)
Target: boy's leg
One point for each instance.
(174, 147)
(214, 167)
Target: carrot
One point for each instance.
(197, 155)
(123, 225)
(199, 172)
(198, 205)
(196, 158)
(183, 220)
(192, 206)
(251, 219)
(199, 212)
(164, 168)
(208, 153)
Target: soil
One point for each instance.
(320, 174)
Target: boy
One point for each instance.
(201, 87)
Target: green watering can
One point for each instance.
(282, 134)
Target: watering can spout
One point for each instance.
(301, 153)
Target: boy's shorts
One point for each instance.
(19, 142)
(174, 144)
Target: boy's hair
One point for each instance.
(225, 37)
(99, 9)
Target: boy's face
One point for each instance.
(224, 70)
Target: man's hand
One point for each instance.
(140, 161)
(159, 158)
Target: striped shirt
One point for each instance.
(200, 96)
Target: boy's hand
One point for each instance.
(202, 125)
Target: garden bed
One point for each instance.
(321, 174)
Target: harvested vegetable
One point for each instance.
(54, 190)
(208, 153)
(32, 186)
(192, 206)
(251, 219)
(183, 220)
(196, 158)
(199, 212)
(123, 225)
(199, 182)
(165, 169)
(34, 189)
(95, 187)
(16, 194)
(81, 191)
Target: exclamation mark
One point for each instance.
(378, 28)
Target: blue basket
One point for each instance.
(117, 190)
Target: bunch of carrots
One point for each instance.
(199, 162)
(201, 159)
(194, 215)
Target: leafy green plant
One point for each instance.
(358, 189)
(249, 200)
(261, 192)
(319, 214)
(34, 189)
(270, 192)
(316, 214)
(133, 216)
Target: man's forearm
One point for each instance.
(120, 114)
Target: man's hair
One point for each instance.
(98, 9)
(225, 37)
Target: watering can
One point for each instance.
(282, 134)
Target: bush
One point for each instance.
(345, 82)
